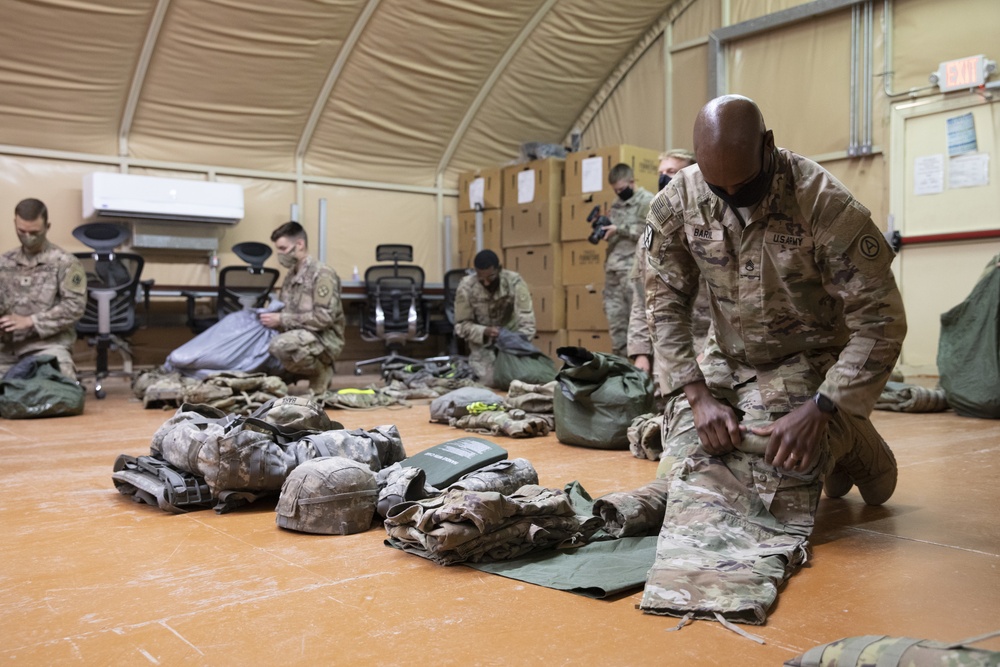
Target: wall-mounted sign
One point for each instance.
(963, 73)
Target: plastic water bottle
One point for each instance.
(356, 276)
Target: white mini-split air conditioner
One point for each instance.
(108, 194)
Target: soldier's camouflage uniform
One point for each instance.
(312, 321)
(629, 218)
(640, 337)
(803, 300)
(476, 308)
(51, 287)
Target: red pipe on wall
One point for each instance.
(952, 236)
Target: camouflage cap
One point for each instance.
(295, 413)
(328, 496)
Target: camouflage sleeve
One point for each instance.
(856, 262)
(635, 224)
(326, 305)
(671, 278)
(70, 301)
(639, 335)
(524, 310)
(465, 324)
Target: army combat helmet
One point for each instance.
(330, 495)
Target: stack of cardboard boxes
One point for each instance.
(532, 194)
(544, 235)
(587, 189)
(483, 187)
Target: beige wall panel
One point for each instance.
(701, 18)
(573, 49)
(634, 113)
(744, 10)
(63, 83)
(690, 93)
(359, 220)
(800, 77)
(57, 183)
(233, 83)
(933, 279)
(928, 32)
(864, 177)
(400, 99)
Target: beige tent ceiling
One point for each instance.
(387, 91)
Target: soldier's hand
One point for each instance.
(716, 423)
(641, 362)
(270, 320)
(12, 323)
(609, 231)
(491, 332)
(794, 442)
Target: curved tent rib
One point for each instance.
(490, 82)
(139, 76)
(346, 49)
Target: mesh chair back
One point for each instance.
(394, 252)
(244, 287)
(395, 310)
(451, 280)
(120, 272)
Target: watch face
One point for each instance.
(824, 403)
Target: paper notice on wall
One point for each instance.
(969, 171)
(928, 175)
(592, 174)
(476, 189)
(526, 186)
(961, 135)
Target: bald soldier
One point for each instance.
(43, 293)
(311, 324)
(492, 299)
(807, 324)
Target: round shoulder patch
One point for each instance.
(869, 246)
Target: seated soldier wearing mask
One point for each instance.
(492, 299)
(44, 292)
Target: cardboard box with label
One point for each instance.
(576, 209)
(585, 308)
(492, 235)
(533, 182)
(550, 308)
(483, 186)
(595, 341)
(550, 341)
(587, 170)
(531, 224)
(583, 263)
(539, 265)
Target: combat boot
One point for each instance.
(320, 382)
(870, 465)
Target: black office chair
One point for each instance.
(394, 311)
(113, 280)
(240, 286)
(446, 326)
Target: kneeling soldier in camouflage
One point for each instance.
(312, 321)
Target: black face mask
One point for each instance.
(750, 193)
(626, 194)
(664, 179)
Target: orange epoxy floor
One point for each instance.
(89, 577)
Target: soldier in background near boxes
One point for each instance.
(492, 299)
(43, 292)
(312, 321)
(640, 339)
(628, 217)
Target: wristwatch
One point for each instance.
(824, 404)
